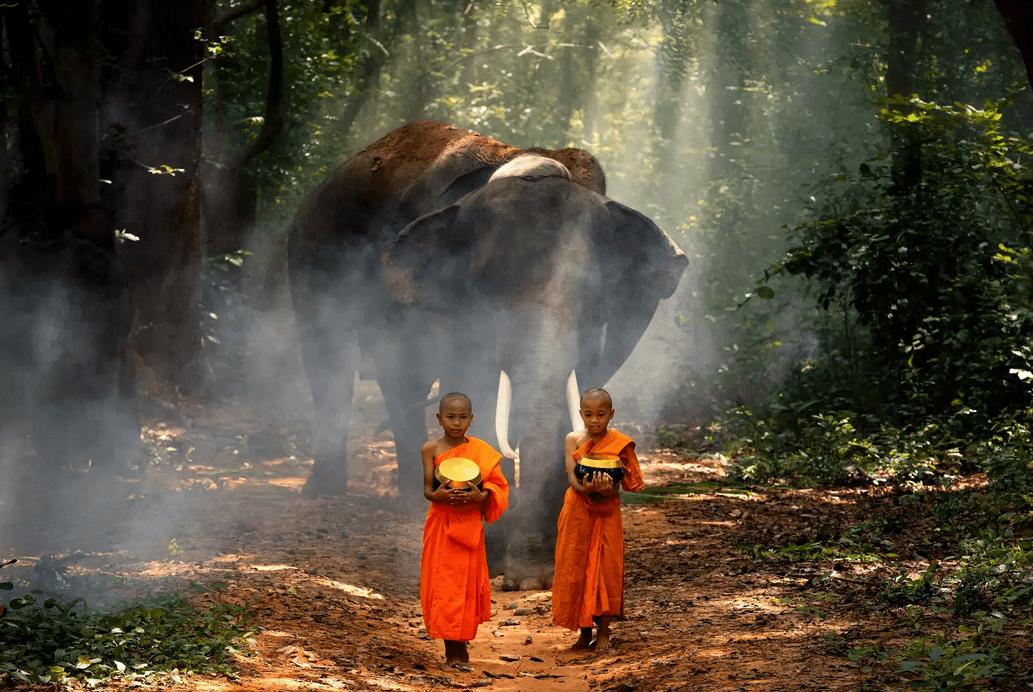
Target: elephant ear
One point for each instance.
(643, 267)
(654, 261)
(466, 183)
(427, 262)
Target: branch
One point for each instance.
(370, 69)
(236, 12)
(109, 141)
(273, 123)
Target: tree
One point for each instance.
(63, 359)
(1018, 17)
(151, 120)
(229, 194)
(674, 57)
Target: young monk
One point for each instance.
(454, 588)
(589, 584)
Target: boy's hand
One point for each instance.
(599, 482)
(456, 497)
(475, 495)
(443, 495)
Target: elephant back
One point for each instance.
(584, 168)
(414, 170)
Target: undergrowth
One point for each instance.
(966, 597)
(161, 637)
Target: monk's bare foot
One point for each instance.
(456, 652)
(602, 633)
(581, 644)
(584, 642)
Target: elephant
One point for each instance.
(437, 254)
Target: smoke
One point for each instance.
(65, 431)
(262, 350)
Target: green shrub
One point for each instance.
(55, 641)
(919, 283)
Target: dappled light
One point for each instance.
(246, 247)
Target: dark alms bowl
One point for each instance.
(609, 464)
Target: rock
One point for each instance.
(509, 622)
(527, 641)
(509, 658)
(513, 605)
(523, 611)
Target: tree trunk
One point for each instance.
(152, 111)
(1018, 17)
(589, 102)
(229, 203)
(62, 277)
(727, 106)
(905, 18)
(369, 72)
(229, 198)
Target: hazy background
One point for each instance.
(726, 122)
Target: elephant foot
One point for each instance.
(528, 564)
(325, 481)
(539, 579)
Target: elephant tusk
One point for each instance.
(574, 403)
(502, 416)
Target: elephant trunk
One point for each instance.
(505, 404)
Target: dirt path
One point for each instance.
(331, 585)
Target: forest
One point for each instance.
(849, 179)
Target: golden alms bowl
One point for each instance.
(457, 473)
(610, 464)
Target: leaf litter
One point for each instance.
(331, 584)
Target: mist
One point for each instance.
(720, 125)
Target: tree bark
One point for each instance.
(229, 198)
(905, 19)
(727, 106)
(1018, 17)
(62, 276)
(152, 115)
(369, 73)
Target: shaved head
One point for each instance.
(597, 395)
(455, 397)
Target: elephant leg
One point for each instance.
(405, 373)
(530, 538)
(331, 358)
(530, 547)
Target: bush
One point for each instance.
(922, 262)
(55, 641)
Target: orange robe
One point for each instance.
(589, 577)
(454, 587)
